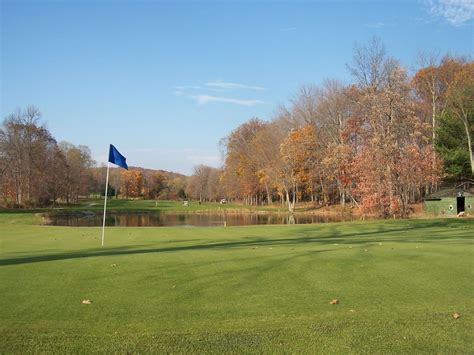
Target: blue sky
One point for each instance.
(165, 81)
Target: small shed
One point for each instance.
(451, 201)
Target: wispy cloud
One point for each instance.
(187, 87)
(205, 96)
(227, 85)
(456, 12)
(206, 99)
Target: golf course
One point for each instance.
(397, 286)
(237, 177)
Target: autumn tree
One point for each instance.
(198, 186)
(301, 154)
(78, 162)
(132, 182)
(335, 112)
(266, 157)
(157, 183)
(240, 162)
(443, 93)
(430, 87)
(214, 187)
(305, 106)
(394, 138)
(461, 103)
(175, 188)
(204, 185)
(371, 142)
(28, 155)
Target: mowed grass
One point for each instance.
(152, 206)
(130, 206)
(242, 289)
(114, 205)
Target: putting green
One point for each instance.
(243, 289)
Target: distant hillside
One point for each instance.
(148, 183)
(146, 172)
(169, 174)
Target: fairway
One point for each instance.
(241, 289)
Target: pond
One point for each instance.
(189, 220)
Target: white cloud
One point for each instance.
(218, 86)
(456, 12)
(187, 87)
(226, 85)
(205, 99)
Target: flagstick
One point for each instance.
(105, 202)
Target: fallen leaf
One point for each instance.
(456, 315)
(86, 301)
(113, 265)
(334, 301)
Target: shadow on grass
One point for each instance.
(329, 235)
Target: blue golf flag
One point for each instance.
(116, 158)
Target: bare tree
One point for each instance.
(370, 65)
(198, 183)
(77, 169)
(27, 150)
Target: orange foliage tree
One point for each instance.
(132, 183)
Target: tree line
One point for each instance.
(141, 183)
(36, 170)
(381, 142)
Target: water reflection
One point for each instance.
(197, 220)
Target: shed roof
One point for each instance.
(466, 188)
